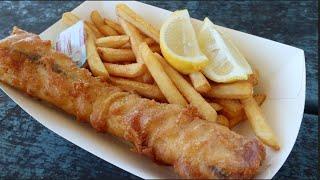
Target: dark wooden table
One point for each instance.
(29, 150)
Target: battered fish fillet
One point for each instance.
(167, 133)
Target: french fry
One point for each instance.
(95, 64)
(155, 48)
(114, 26)
(199, 82)
(85, 65)
(194, 98)
(231, 107)
(258, 123)
(236, 90)
(69, 19)
(126, 46)
(254, 77)
(96, 18)
(116, 55)
(235, 120)
(260, 98)
(112, 41)
(93, 28)
(99, 23)
(143, 89)
(162, 79)
(221, 119)
(107, 30)
(135, 38)
(149, 41)
(145, 78)
(129, 15)
(216, 106)
(126, 70)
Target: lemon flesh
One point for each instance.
(179, 44)
(226, 63)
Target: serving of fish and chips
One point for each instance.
(175, 98)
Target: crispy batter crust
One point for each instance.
(168, 133)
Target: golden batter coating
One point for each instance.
(168, 133)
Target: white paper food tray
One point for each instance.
(283, 78)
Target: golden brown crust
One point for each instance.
(170, 134)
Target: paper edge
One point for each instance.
(253, 36)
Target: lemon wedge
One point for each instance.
(179, 45)
(226, 63)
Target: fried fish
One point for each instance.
(168, 133)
